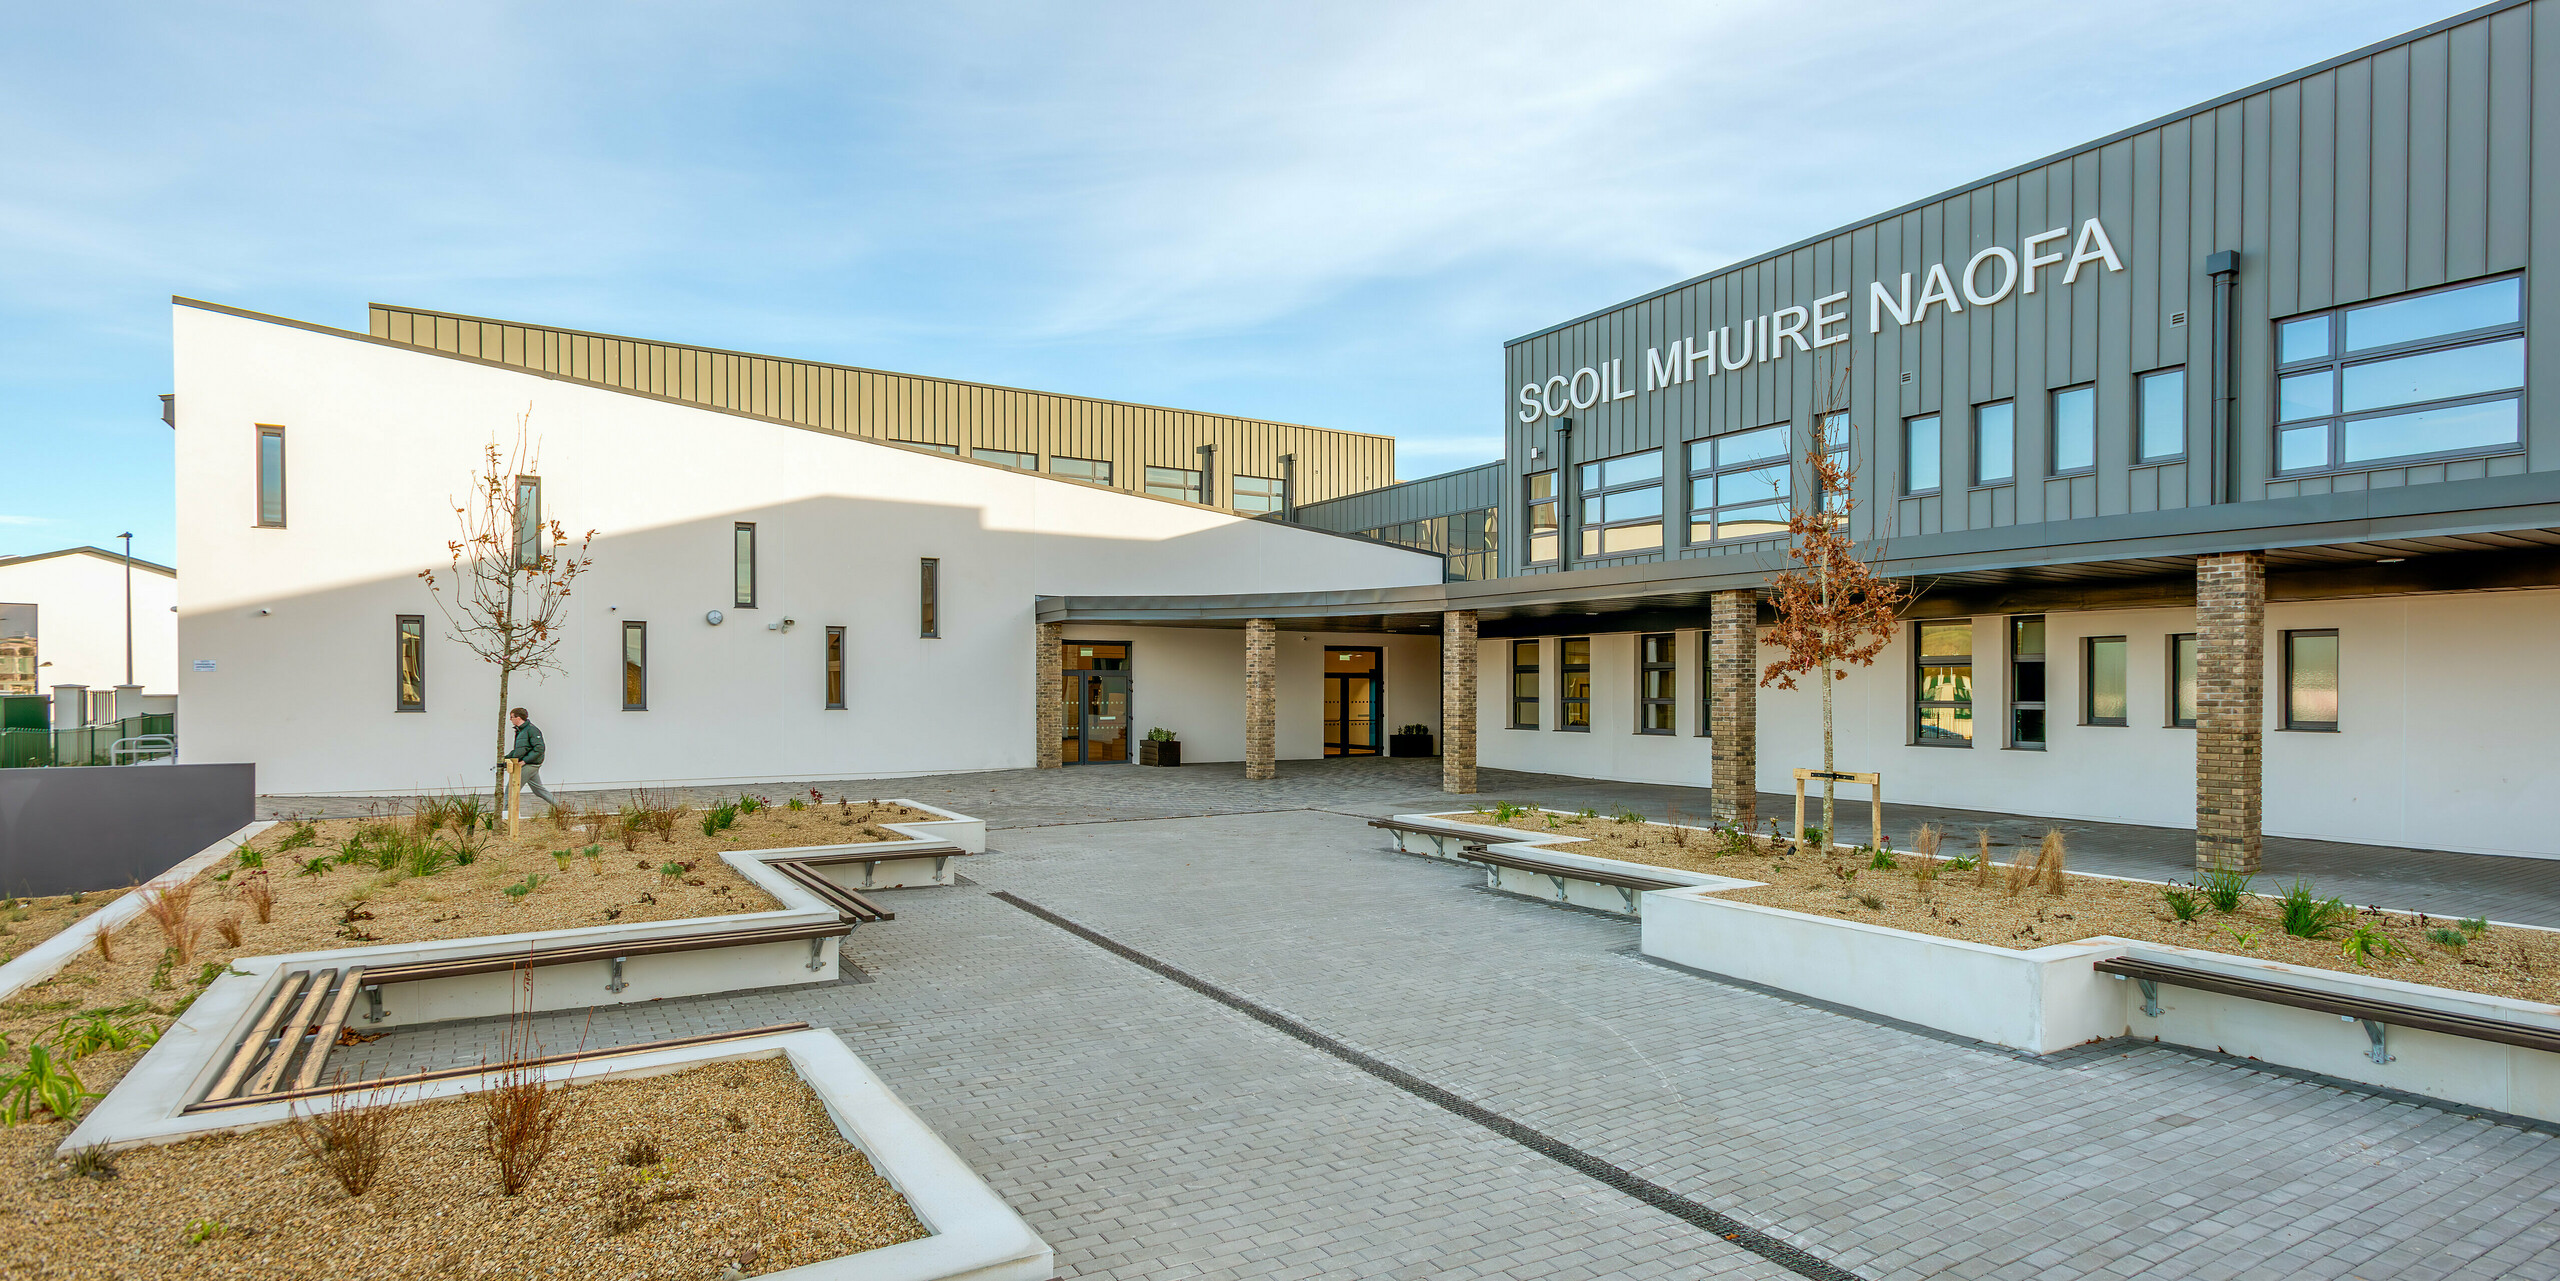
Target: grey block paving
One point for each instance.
(1149, 1131)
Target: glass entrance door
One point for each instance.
(1094, 687)
(1354, 699)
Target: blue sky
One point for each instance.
(1319, 213)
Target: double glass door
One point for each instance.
(1354, 699)
(1094, 688)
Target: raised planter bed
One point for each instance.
(1160, 751)
(1409, 745)
(1539, 867)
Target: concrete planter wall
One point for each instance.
(1553, 848)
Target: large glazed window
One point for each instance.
(1524, 684)
(1538, 491)
(2311, 680)
(1622, 504)
(2433, 375)
(1573, 655)
(1943, 704)
(271, 477)
(1740, 485)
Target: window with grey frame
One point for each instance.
(1740, 485)
(1091, 470)
(1922, 456)
(1538, 497)
(2160, 416)
(2433, 375)
(2026, 683)
(1007, 458)
(2102, 697)
(270, 476)
(1573, 684)
(1658, 683)
(1995, 443)
(1255, 494)
(409, 661)
(1621, 504)
(1706, 684)
(635, 667)
(1524, 684)
(1174, 482)
(528, 521)
(1942, 700)
(934, 445)
(835, 669)
(2182, 681)
(929, 582)
(2071, 432)
(742, 567)
(2311, 680)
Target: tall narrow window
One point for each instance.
(410, 660)
(2026, 682)
(1256, 494)
(1174, 482)
(1657, 682)
(635, 667)
(1539, 492)
(1706, 684)
(1739, 485)
(528, 521)
(2311, 680)
(2182, 681)
(835, 669)
(1995, 443)
(1920, 455)
(2160, 401)
(271, 477)
(1524, 684)
(1944, 701)
(1573, 692)
(2105, 694)
(2073, 435)
(930, 576)
(743, 563)
(1622, 504)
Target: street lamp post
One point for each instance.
(128, 607)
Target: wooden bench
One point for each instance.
(306, 1086)
(851, 907)
(1440, 836)
(2376, 1016)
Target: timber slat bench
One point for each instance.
(904, 861)
(1440, 836)
(851, 907)
(1627, 884)
(2375, 1015)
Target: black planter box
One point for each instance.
(1408, 744)
(1159, 751)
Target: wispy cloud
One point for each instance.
(24, 520)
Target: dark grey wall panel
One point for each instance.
(68, 829)
(1448, 494)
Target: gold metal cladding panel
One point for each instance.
(913, 408)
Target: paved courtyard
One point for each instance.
(1260, 1044)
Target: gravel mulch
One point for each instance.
(749, 1173)
(25, 922)
(1961, 904)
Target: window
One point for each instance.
(1524, 684)
(2433, 375)
(835, 669)
(409, 659)
(2160, 406)
(1657, 682)
(742, 542)
(1087, 469)
(1706, 684)
(1995, 443)
(1574, 695)
(2072, 437)
(2026, 682)
(635, 667)
(1256, 493)
(1835, 443)
(1945, 700)
(1622, 504)
(528, 521)
(936, 446)
(1920, 454)
(2103, 697)
(1739, 485)
(1472, 539)
(271, 477)
(1008, 458)
(2182, 681)
(2311, 680)
(929, 577)
(1174, 482)
(1539, 494)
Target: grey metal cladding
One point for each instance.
(2400, 167)
(1448, 494)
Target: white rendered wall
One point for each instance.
(79, 602)
(2446, 726)
(1191, 681)
(378, 437)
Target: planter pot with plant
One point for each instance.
(1160, 747)
(1411, 740)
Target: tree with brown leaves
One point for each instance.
(1834, 611)
(505, 588)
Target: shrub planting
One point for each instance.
(2305, 915)
(351, 1137)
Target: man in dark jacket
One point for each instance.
(528, 749)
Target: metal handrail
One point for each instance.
(141, 745)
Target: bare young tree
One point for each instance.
(1834, 611)
(505, 588)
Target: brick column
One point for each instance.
(1733, 639)
(1050, 717)
(2231, 683)
(1458, 701)
(1261, 696)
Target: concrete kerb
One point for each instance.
(1553, 848)
(40, 962)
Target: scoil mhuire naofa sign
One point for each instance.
(1989, 278)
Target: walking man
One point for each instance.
(528, 749)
